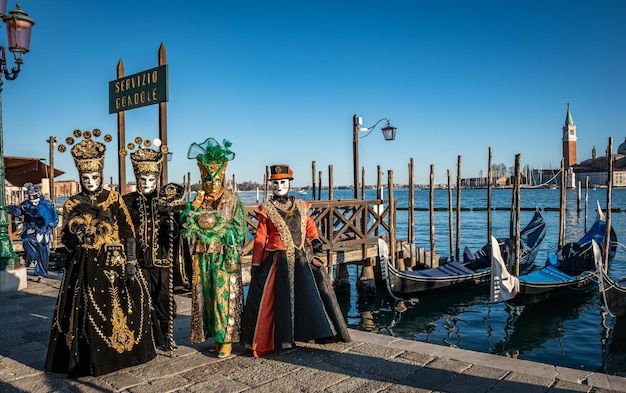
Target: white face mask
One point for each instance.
(281, 187)
(90, 181)
(147, 183)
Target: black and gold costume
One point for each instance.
(158, 246)
(102, 320)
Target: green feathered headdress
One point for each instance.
(210, 151)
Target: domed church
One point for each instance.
(595, 169)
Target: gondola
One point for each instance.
(612, 293)
(473, 272)
(569, 272)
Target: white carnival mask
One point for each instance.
(147, 183)
(281, 187)
(91, 181)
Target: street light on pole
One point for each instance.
(389, 133)
(19, 26)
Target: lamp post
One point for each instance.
(389, 133)
(18, 36)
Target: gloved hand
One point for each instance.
(317, 246)
(130, 270)
(317, 262)
(197, 202)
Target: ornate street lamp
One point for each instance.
(19, 26)
(389, 133)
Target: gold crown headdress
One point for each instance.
(145, 159)
(88, 154)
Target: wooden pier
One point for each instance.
(349, 230)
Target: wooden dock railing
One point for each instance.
(349, 228)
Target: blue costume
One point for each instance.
(39, 216)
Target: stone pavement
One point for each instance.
(371, 363)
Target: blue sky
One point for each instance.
(282, 79)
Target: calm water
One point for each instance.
(575, 333)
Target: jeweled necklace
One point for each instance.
(93, 197)
(286, 205)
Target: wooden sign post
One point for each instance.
(134, 91)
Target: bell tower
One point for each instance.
(569, 140)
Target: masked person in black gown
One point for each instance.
(155, 217)
(102, 320)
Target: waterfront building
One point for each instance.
(595, 169)
(569, 140)
(569, 149)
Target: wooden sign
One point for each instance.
(137, 90)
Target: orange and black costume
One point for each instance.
(289, 299)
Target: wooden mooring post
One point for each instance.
(450, 227)
(562, 206)
(458, 207)
(410, 215)
(489, 185)
(609, 191)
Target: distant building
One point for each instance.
(66, 188)
(569, 149)
(481, 182)
(569, 140)
(595, 169)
